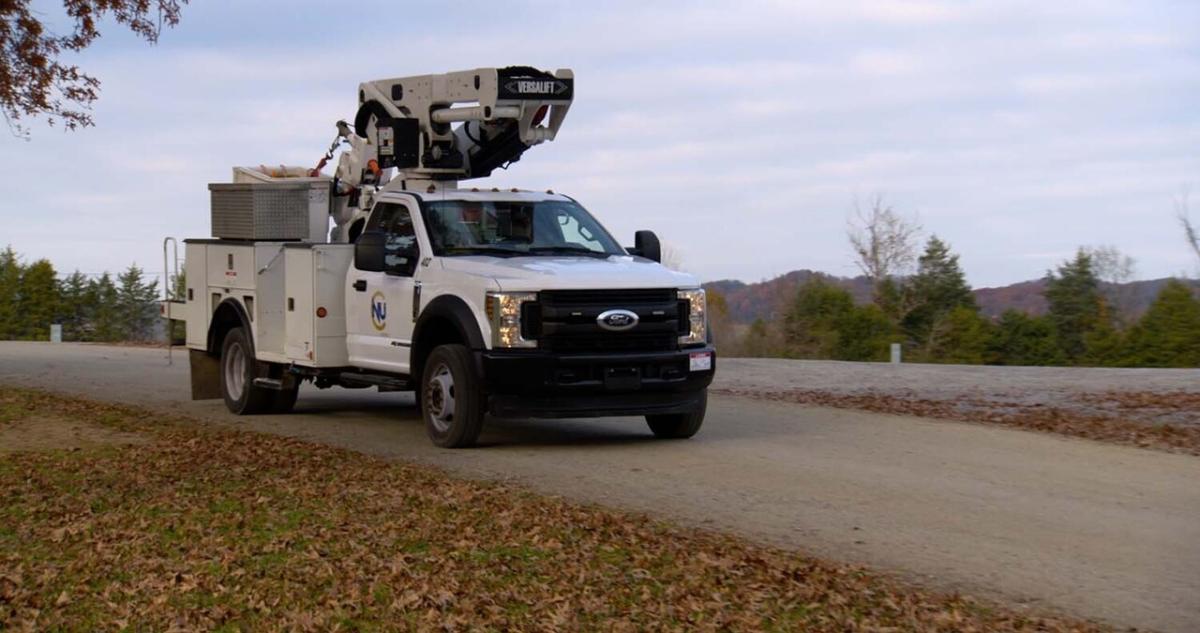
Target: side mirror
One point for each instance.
(400, 256)
(368, 252)
(645, 243)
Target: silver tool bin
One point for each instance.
(296, 209)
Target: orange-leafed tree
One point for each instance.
(36, 83)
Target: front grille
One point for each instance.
(592, 297)
(565, 320)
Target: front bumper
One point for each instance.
(547, 385)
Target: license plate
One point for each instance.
(700, 361)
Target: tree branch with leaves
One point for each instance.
(35, 83)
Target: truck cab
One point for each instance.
(535, 307)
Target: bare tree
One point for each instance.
(1190, 231)
(1115, 269)
(33, 82)
(672, 257)
(884, 242)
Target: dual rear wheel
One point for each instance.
(238, 371)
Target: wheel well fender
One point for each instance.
(228, 315)
(447, 319)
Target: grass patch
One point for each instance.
(203, 528)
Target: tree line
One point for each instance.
(932, 313)
(100, 308)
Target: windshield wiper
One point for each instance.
(572, 250)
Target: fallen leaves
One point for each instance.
(202, 528)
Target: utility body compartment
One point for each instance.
(293, 294)
(315, 289)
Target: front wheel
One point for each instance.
(452, 402)
(678, 426)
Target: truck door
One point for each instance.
(379, 305)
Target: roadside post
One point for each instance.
(55, 332)
(895, 353)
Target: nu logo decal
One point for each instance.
(378, 311)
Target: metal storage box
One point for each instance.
(293, 210)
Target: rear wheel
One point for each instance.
(452, 402)
(238, 372)
(678, 426)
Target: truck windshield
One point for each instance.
(516, 228)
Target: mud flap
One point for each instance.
(206, 375)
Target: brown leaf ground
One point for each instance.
(1111, 427)
(201, 528)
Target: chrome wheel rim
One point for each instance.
(235, 371)
(439, 398)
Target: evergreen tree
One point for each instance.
(1168, 335)
(959, 336)
(1021, 339)
(137, 310)
(811, 323)
(10, 284)
(1075, 305)
(73, 307)
(938, 288)
(865, 333)
(823, 322)
(1104, 344)
(103, 309)
(37, 304)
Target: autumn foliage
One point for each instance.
(34, 82)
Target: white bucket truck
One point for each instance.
(483, 301)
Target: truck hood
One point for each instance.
(565, 273)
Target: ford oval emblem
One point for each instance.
(617, 320)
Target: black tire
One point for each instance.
(284, 401)
(452, 401)
(679, 426)
(237, 358)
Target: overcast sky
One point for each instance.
(741, 132)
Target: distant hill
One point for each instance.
(765, 299)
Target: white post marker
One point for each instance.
(55, 332)
(895, 353)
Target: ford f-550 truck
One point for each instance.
(483, 301)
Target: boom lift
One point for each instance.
(406, 124)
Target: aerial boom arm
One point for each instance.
(502, 111)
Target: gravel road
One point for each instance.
(1091, 529)
(1079, 389)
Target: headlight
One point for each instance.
(697, 317)
(504, 313)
